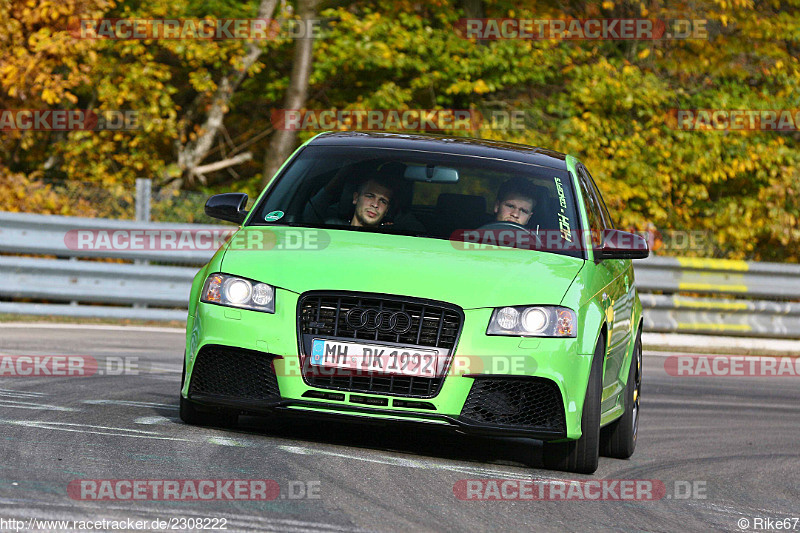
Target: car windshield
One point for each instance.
(471, 200)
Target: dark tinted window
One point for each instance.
(608, 222)
(432, 195)
(591, 203)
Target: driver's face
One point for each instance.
(514, 209)
(371, 205)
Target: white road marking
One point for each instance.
(739, 510)
(155, 369)
(284, 524)
(129, 403)
(30, 405)
(147, 420)
(702, 403)
(226, 441)
(21, 394)
(654, 353)
(648, 353)
(417, 463)
(101, 327)
(87, 428)
(87, 511)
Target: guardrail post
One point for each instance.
(73, 303)
(144, 187)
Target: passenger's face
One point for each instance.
(514, 209)
(371, 204)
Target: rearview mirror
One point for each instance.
(431, 173)
(228, 206)
(618, 244)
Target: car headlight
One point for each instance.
(232, 291)
(534, 321)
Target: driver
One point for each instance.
(371, 200)
(515, 200)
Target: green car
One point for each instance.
(420, 279)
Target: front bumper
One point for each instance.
(478, 360)
(318, 410)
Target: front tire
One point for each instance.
(582, 456)
(618, 439)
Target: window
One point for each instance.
(590, 202)
(607, 221)
(433, 195)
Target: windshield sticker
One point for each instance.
(273, 216)
(563, 221)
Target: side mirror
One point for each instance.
(229, 206)
(618, 244)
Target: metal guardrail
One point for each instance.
(722, 317)
(772, 281)
(94, 282)
(23, 233)
(757, 303)
(95, 289)
(684, 295)
(92, 311)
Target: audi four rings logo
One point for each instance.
(385, 321)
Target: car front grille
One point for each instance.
(324, 315)
(524, 402)
(234, 373)
(432, 324)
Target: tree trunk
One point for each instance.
(194, 152)
(283, 140)
(473, 9)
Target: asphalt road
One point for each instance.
(734, 440)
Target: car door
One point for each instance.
(624, 291)
(611, 289)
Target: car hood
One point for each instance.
(343, 260)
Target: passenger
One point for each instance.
(515, 200)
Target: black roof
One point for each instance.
(445, 144)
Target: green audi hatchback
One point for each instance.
(420, 279)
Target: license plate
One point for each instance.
(376, 358)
